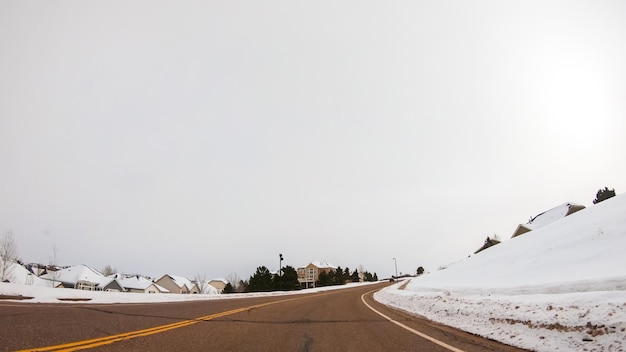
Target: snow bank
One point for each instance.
(38, 294)
(559, 288)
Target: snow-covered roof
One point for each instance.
(180, 281)
(323, 264)
(76, 273)
(18, 274)
(106, 281)
(551, 215)
(138, 283)
(207, 288)
(220, 279)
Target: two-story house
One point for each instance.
(308, 275)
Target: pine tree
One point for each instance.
(261, 281)
(354, 277)
(345, 277)
(604, 194)
(338, 276)
(228, 289)
(324, 279)
(288, 281)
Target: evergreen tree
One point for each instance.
(228, 289)
(261, 281)
(604, 194)
(354, 277)
(420, 271)
(288, 281)
(325, 279)
(338, 276)
(368, 276)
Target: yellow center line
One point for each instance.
(85, 344)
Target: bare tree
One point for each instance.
(234, 280)
(53, 265)
(8, 254)
(201, 283)
(361, 272)
(108, 270)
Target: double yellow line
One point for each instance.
(106, 340)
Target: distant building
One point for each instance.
(82, 277)
(547, 217)
(218, 284)
(308, 275)
(177, 284)
(138, 284)
(489, 242)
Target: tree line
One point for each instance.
(343, 276)
(287, 280)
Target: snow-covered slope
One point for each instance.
(18, 274)
(561, 287)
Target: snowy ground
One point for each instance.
(559, 288)
(39, 294)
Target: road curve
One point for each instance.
(332, 321)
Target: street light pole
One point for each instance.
(396, 263)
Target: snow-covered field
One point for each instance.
(558, 288)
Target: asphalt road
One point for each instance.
(332, 321)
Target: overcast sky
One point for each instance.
(207, 137)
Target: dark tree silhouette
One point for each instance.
(288, 281)
(324, 279)
(261, 281)
(228, 289)
(604, 194)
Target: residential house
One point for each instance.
(548, 217)
(218, 284)
(82, 277)
(177, 284)
(110, 284)
(36, 269)
(139, 284)
(489, 242)
(308, 275)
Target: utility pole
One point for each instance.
(396, 263)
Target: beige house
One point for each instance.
(308, 275)
(139, 284)
(547, 217)
(177, 284)
(219, 284)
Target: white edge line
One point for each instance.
(420, 334)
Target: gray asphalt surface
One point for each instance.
(331, 321)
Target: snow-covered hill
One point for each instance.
(561, 287)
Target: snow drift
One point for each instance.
(561, 287)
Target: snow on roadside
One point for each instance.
(558, 288)
(66, 295)
(592, 321)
